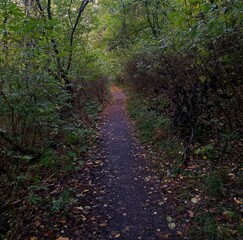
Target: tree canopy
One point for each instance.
(182, 60)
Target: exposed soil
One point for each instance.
(130, 198)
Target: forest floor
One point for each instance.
(130, 197)
(123, 191)
(116, 195)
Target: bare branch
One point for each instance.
(81, 9)
(49, 9)
(40, 8)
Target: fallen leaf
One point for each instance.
(191, 213)
(117, 235)
(103, 224)
(62, 238)
(63, 221)
(37, 223)
(237, 201)
(194, 200)
(80, 208)
(169, 219)
(98, 161)
(127, 228)
(172, 225)
(232, 175)
(164, 236)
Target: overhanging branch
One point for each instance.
(81, 9)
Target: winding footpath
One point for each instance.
(115, 195)
(130, 197)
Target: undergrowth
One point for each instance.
(37, 183)
(205, 195)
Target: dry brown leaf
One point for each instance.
(37, 223)
(237, 201)
(191, 213)
(165, 236)
(98, 161)
(117, 235)
(103, 224)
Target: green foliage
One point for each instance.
(181, 58)
(48, 159)
(72, 155)
(93, 109)
(52, 85)
(231, 136)
(61, 203)
(240, 178)
(72, 138)
(241, 229)
(172, 147)
(181, 61)
(34, 198)
(208, 226)
(154, 129)
(146, 120)
(213, 183)
(176, 168)
(209, 151)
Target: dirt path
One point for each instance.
(115, 195)
(130, 197)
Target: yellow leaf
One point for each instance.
(205, 157)
(172, 225)
(169, 219)
(62, 238)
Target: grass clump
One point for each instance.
(150, 124)
(213, 183)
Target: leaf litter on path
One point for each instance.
(115, 195)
